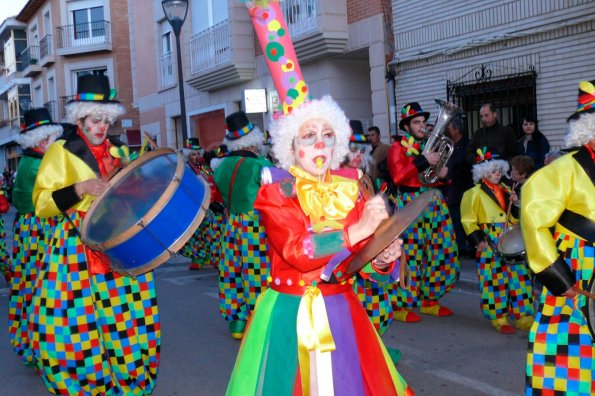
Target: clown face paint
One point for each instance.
(95, 128)
(356, 155)
(494, 176)
(314, 146)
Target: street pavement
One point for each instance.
(457, 355)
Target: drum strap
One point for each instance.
(578, 224)
(233, 179)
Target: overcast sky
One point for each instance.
(10, 7)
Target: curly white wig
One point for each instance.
(581, 130)
(483, 169)
(79, 110)
(254, 138)
(33, 137)
(186, 152)
(285, 129)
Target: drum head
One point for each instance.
(130, 197)
(511, 242)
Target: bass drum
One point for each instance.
(511, 245)
(148, 212)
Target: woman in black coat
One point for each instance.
(533, 143)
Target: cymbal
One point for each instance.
(390, 229)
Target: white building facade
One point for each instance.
(522, 55)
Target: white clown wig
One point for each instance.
(285, 129)
(483, 169)
(33, 137)
(186, 153)
(79, 110)
(254, 138)
(581, 130)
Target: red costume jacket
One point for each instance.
(405, 163)
(288, 231)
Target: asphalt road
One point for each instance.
(458, 355)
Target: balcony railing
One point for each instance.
(83, 34)
(29, 56)
(300, 16)
(45, 46)
(167, 69)
(52, 107)
(210, 48)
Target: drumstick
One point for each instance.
(584, 293)
(151, 141)
(510, 204)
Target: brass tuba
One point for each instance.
(439, 143)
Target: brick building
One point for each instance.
(341, 46)
(69, 38)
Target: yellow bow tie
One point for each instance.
(325, 202)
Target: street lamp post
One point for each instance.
(175, 11)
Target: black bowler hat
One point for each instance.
(237, 125)
(357, 132)
(409, 111)
(192, 143)
(35, 118)
(94, 88)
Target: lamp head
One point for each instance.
(175, 11)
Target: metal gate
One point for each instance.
(513, 95)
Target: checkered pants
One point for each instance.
(430, 250)
(92, 334)
(505, 288)
(375, 298)
(244, 265)
(204, 247)
(31, 235)
(561, 355)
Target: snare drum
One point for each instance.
(148, 213)
(511, 244)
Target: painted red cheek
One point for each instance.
(301, 154)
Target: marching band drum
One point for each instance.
(151, 209)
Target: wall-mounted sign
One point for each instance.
(126, 123)
(255, 100)
(275, 102)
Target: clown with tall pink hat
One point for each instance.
(558, 224)
(309, 333)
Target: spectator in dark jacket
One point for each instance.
(459, 173)
(494, 136)
(533, 143)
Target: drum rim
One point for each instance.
(499, 240)
(152, 212)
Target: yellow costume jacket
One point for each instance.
(66, 162)
(564, 185)
(480, 206)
